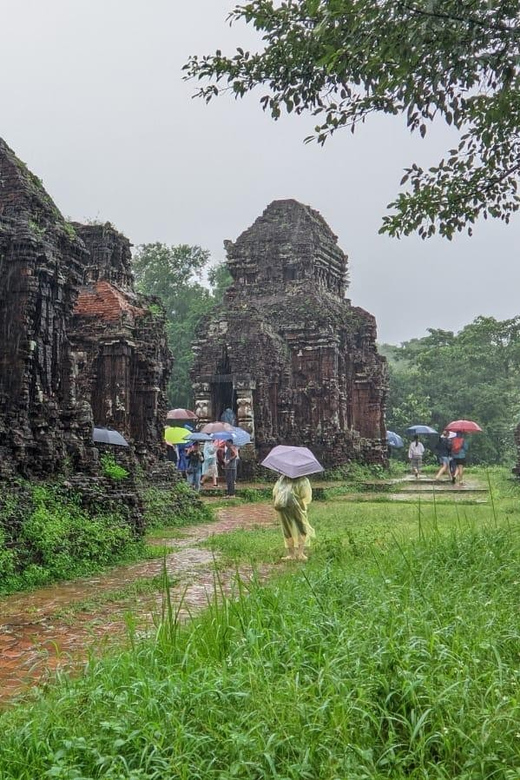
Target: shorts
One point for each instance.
(460, 461)
(444, 460)
(416, 463)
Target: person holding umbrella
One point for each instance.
(292, 495)
(459, 448)
(415, 455)
(209, 467)
(230, 466)
(194, 459)
(443, 450)
(459, 445)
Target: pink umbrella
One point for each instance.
(181, 415)
(216, 427)
(292, 461)
(464, 426)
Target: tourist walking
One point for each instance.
(209, 467)
(459, 448)
(195, 459)
(291, 497)
(443, 451)
(415, 456)
(230, 467)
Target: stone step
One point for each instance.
(451, 489)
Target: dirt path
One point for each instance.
(56, 626)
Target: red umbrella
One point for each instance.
(464, 426)
(181, 415)
(216, 427)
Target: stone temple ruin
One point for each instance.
(119, 347)
(78, 346)
(287, 351)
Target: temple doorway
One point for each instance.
(223, 396)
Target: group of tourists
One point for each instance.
(451, 449)
(202, 465)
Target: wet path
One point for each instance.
(56, 626)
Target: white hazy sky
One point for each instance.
(93, 100)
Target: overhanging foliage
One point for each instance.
(342, 60)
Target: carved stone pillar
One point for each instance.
(203, 406)
(245, 410)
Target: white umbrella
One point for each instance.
(292, 461)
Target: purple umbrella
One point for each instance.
(292, 461)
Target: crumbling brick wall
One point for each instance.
(77, 345)
(121, 356)
(41, 267)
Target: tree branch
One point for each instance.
(503, 28)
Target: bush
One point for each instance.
(46, 536)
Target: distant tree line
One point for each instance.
(175, 274)
(473, 374)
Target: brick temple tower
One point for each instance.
(286, 350)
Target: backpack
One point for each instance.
(285, 498)
(457, 445)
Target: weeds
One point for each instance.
(174, 508)
(397, 665)
(47, 536)
(392, 655)
(112, 469)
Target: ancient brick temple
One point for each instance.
(119, 347)
(287, 351)
(41, 268)
(76, 344)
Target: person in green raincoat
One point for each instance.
(291, 497)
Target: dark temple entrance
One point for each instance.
(223, 395)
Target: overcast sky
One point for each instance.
(93, 100)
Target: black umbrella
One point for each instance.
(108, 436)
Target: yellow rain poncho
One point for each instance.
(291, 498)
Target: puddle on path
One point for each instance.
(41, 631)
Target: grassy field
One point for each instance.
(394, 653)
(358, 527)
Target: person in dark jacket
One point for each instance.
(443, 451)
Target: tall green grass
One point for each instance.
(361, 525)
(395, 661)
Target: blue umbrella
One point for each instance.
(393, 439)
(196, 436)
(238, 436)
(424, 429)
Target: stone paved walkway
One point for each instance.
(39, 632)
